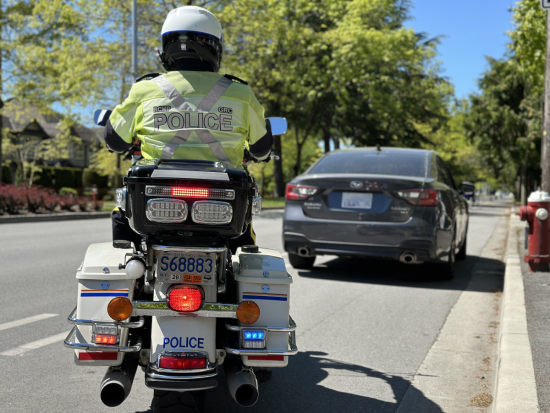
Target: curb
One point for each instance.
(515, 386)
(69, 216)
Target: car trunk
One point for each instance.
(362, 198)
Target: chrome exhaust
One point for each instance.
(117, 382)
(242, 383)
(304, 251)
(409, 257)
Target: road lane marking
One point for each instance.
(58, 338)
(27, 320)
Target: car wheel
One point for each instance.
(301, 263)
(446, 271)
(461, 256)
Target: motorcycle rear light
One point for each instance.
(182, 363)
(184, 298)
(111, 329)
(253, 338)
(424, 197)
(212, 212)
(182, 192)
(299, 192)
(105, 339)
(166, 210)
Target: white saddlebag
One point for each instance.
(262, 277)
(99, 281)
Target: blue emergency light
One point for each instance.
(254, 335)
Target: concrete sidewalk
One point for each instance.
(515, 386)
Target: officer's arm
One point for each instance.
(260, 138)
(119, 131)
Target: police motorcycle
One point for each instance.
(181, 305)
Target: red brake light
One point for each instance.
(424, 197)
(190, 192)
(105, 339)
(184, 298)
(299, 192)
(182, 363)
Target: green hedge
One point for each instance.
(90, 178)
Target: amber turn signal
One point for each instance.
(248, 312)
(120, 308)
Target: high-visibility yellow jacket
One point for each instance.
(190, 115)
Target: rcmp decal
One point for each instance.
(104, 293)
(264, 296)
(181, 342)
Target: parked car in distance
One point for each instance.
(391, 203)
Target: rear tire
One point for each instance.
(446, 271)
(301, 263)
(178, 402)
(263, 373)
(461, 256)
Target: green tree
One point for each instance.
(504, 121)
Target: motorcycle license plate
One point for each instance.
(188, 267)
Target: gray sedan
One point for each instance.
(390, 203)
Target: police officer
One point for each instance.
(190, 112)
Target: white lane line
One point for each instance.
(58, 338)
(27, 320)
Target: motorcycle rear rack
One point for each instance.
(130, 324)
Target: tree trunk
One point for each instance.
(278, 177)
(523, 184)
(336, 143)
(298, 157)
(326, 139)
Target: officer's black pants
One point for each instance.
(123, 232)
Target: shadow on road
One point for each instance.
(371, 271)
(298, 388)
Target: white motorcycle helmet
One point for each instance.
(191, 32)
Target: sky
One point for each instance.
(472, 29)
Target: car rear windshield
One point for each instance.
(376, 163)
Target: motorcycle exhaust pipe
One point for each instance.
(117, 382)
(303, 251)
(242, 384)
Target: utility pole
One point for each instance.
(545, 141)
(134, 40)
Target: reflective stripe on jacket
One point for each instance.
(190, 115)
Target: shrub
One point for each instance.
(68, 191)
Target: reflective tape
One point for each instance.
(204, 106)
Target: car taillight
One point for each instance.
(182, 192)
(182, 363)
(184, 298)
(424, 197)
(299, 192)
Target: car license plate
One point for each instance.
(356, 200)
(188, 267)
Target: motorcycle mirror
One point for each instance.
(278, 126)
(101, 116)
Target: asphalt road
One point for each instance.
(364, 327)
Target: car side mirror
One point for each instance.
(467, 188)
(101, 116)
(279, 126)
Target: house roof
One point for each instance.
(31, 120)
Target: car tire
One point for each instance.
(178, 402)
(446, 271)
(301, 263)
(461, 256)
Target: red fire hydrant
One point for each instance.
(536, 214)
